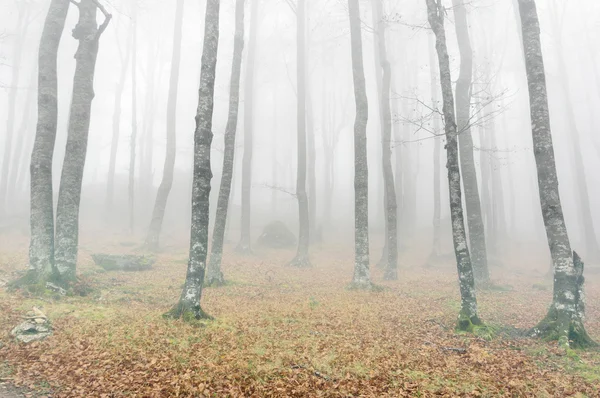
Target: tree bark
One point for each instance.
(465, 141)
(564, 321)
(133, 141)
(214, 276)
(69, 195)
(391, 222)
(41, 247)
(188, 307)
(162, 195)
(468, 316)
(301, 259)
(244, 246)
(362, 277)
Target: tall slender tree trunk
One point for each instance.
(162, 195)
(301, 259)
(41, 247)
(362, 277)
(214, 276)
(244, 246)
(188, 307)
(465, 141)
(69, 194)
(7, 158)
(116, 128)
(436, 250)
(468, 315)
(564, 320)
(133, 141)
(391, 223)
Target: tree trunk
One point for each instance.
(564, 321)
(162, 195)
(116, 128)
(7, 159)
(214, 276)
(391, 233)
(301, 259)
(188, 307)
(468, 316)
(465, 141)
(362, 277)
(69, 194)
(132, 143)
(41, 247)
(244, 246)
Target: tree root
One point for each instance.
(549, 330)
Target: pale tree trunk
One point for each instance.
(310, 136)
(436, 250)
(362, 277)
(69, 194)
(468, 316)
(188, 307)
(214, 276)
(465, 141)
(391, 222)
(133, 140)
(244, 246)
(164, 189)
(564, 320)
(116, 128)
(8, 162)
(41, 247)
(301, 259)
(582, 195)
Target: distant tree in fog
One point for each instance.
(214, 276)
(69, 195)
(133, 139)
(188, 306)
(362, 277)
(162, 196)
(465, 141)
(564, 320)
(468, 315)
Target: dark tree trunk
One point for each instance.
(214, 276)
(69, 194)
(301, 259)
(41, 247)
(362, 277)
(465, 141)
(468, 314)
(564, 321)
(116, 128)
(188, 307)
(162, 195)
(244, 246)
(391, 223)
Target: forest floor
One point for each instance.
(280, 331)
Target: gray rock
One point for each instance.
(127, 262)
(29, 331)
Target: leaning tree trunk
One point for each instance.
(162, 195)
(132, 143)
(362, 277)
(465, 141)
(301, 259)
(244, 245)
(214, 276)
(69, 194)
(188, 307)
(41, 247)
(468, 314)
(8, 162)
(564, 321)
(391, 232)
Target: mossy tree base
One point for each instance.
(390, 274)
(467, 323)
(365, 286)
(187, 314)
(549, 329)
(300, 261)
(35, 282)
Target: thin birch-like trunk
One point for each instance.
(188, 307)
(214, 275)
(436, 250)
(468, 316)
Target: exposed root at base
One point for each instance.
(192, 314)
(548, 329)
